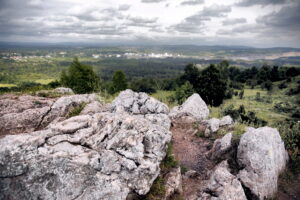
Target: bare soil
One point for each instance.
(191, 152)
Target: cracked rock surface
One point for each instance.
(24, 114)
(105, 155)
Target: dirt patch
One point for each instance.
(191, 152)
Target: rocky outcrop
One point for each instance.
(222, 185)
(105, 155)
(23, 114)
(63, 90)
(221, 146)
(93, 107)
(194, 106)
(173, 182)
(226, 121)
(138, 103)
(262, 156)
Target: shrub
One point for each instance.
(241, 94)
(143, 85)
(119, 81)
(76, 110)
(157, 190)
(81, 78)
(282, 85)
(182, 93)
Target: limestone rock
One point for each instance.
(63, 105)
(173, 182)
(137, 103)
(223, 185)
(20, 114)
(92, 108)
(63, 90)
(212, 126)
(226, 121)
(194, 106)
(221, 146)
(100, 156)
(262, 155)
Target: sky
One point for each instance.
(257, 23)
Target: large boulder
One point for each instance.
(194, 106)
(223, 185)
(96, 156)
(262, 156)
(226, 121)
(137, 103)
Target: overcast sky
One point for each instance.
(260, 23)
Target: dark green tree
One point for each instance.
(183, 92)
(119, 81)
(212, 87)
(81, 78)
(191, 74)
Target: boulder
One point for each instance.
(194, 106)
(173, 182)
(95, 156)
(222, 185)
(221, 146)
(137, 103)
(262, 156)
(226, 121)
(212, 126)
(63, 90)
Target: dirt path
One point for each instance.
(191, 150)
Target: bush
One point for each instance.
(80, 78)
(119, 81)
(291, 136)
(241, 94)
(241, 115)
(268, 85)
(294, 91)
(182, 93)
(282, 85)
(143, 85)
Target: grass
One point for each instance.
(76, 110)
(7, 85)
(163, 96)
(44, 81)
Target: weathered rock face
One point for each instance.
(223, 185)
(262, 154)
(63, 90)
(226, 121)
(137, 103)
(194, 106)
(221, 146)
(93, 107)
(173, 183)
(100, 156)
(21, 114)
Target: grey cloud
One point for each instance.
(124, 7)
(234, 21)
(287, 17)
(192, 2)
(141, 22)
(246, 3)
(195, 23)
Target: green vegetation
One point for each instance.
(169, 161)
(157, 190)
(80, 78)
(119, 81)
(76, 110)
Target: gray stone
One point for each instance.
(138, 103)
(92, 108)
(226, 121)
(173, 182)
(222, 185)
(221, 146)
(100, 156)
(262, 155)
(63, 90)
(194, 106)
(212, 126)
